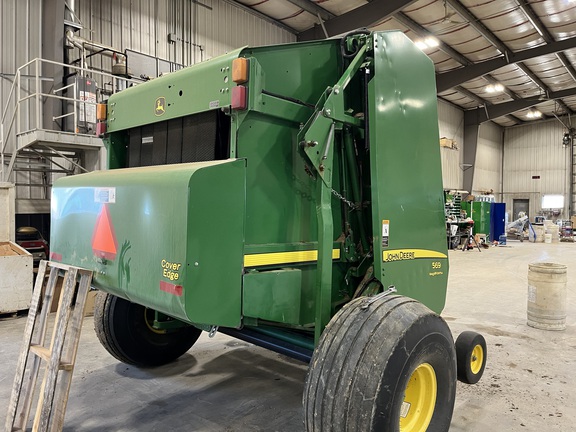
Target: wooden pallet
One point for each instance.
(58, 356)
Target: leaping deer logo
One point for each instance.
(160, 106)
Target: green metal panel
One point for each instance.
(176, 236)
(273, 295)
(479, 211)
(406, 177)
(201, 87)
(280, 194)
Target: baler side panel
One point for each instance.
(280, 193)
(160, 236)
(215, 244)
(201, 87)
(410, 249)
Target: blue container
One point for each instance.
(497, 224)
(502, 240)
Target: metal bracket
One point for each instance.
(368, 301)
(213, 331)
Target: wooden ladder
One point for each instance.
(59, 356)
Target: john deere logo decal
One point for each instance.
(160, 107)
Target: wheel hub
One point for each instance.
(476, 359)
(419, 400)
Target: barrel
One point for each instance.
(547, 238)
(547, 296)
(539, 231)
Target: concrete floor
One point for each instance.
(223, 384)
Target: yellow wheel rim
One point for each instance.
(419, 400)
(149, 320)
(476, 359)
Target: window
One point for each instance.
(553, 201)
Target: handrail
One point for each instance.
(27, 115)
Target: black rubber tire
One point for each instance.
(366, 355)
(122, 329)
(465, 344)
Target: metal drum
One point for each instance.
(547, 296)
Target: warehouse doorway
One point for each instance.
(520, 205)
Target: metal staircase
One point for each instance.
(39, 139)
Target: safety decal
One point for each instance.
(104, 244)
(105, 195)
(385, 232)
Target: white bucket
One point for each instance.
(547, 296)
(547, 238)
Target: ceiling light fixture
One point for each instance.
(432, 42)
(494, 88)
(428, 42)
(421, 45)
(533, 113)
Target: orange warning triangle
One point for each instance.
(104, 240)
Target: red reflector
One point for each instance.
(239, 99)
(55, 256)
(100, 128)
(171, 288)
(104, 243)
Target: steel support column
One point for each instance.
(471, 129)
(52, 49)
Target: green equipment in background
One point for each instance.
(479, 211)
(290, 196)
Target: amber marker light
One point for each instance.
(240, 70)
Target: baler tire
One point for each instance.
(366, 359)
(121, 327)
(471, 356)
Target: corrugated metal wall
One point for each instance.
(200, 31)
(488, 167)
(535, 150)
(451, 125)
(20, 41)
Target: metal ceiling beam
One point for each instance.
(313, 8)
(482, 102)
(363, 16)
(494, 40)
(423, 32)
(447, 80)
(506, 90)
(546, 35)
(482, 114)
(472, 96)
(543, 86)
(475, 22)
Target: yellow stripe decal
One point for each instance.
(262, 259)
(410, 254)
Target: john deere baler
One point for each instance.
(267, 193)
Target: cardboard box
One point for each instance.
(447, 142)
(16, 273)
(573, 220)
